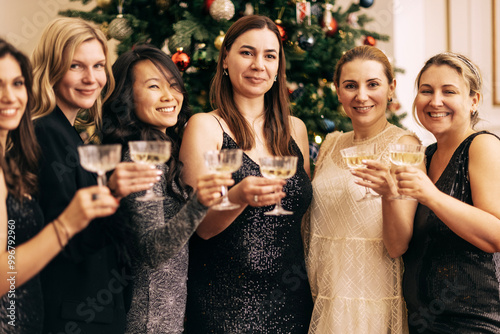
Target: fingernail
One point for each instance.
(158, 178)
(159, 172)
(151, 184)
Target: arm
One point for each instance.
(32, 256)
(398, 215)
(478, 224)
(299, 132)
(202, 134)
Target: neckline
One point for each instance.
(364, 140)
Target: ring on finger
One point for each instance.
(95, 197)
(256, 198)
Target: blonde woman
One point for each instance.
(85, 285)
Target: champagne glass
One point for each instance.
(406, 155)
(152, 153)
(278, 168)
(100, 159)
(354, 156)
(224, 161)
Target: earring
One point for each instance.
(275, 78)
(225, 72)
(474, 113)
(390, 100)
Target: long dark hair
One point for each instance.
(120, 123)
(277, 130)
(20, 161)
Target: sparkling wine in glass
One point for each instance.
(220, 162)
(354, 156)
(100, 159)
(152, 153)
(406, 155)
(278, 168)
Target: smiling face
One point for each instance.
(13, 96)
(157, 96)
(443, 102)
(364, 91)
(252, 63)
(81, 85)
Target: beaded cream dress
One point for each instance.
(355, 284)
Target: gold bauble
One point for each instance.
(104, 3)
(219, 39)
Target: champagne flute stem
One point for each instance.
(225, 199)
(101, 179)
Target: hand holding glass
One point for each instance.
(278, 168)
(100, 159)
(152, 153)
(406, 155)
(224, 161)
(354, 156)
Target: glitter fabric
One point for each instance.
(450, 286)
(356, 285)
(251, 278)
(28, 312)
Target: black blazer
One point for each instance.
(83, 286)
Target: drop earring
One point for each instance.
(225, 72)
(275, 78)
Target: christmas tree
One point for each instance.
(315, 36)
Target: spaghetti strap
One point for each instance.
(219, 123)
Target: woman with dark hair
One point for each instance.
(25, 245)
(150, 103)
(246, 269)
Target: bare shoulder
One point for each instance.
(485, 146)
(207, 121)
(409, 139)
(299, 129)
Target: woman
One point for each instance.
(356, 285)
(152, 104)
(71, 71)
(451, 250)
(25, 245)
(246, 270)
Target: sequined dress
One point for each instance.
(355, 284)
(450, 286)
(27, 311)
(251, 277)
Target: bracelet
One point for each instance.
(65, 230)
(57, 234)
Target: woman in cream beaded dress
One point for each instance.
(356, 284)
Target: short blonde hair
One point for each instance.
(52, 59)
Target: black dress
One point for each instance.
(27, 311)
(450, 286)
(251, 278)
(83, 286)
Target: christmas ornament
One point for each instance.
(365, 3)
(219, 39)
(329, 24)
(303, 12)
(104, 4)
(222, 10)
(248, 9)
(313, 151)
(369, 40)
(181, 59)
(327, 125)
(119, 28)
(281, 29)
(306, 41)
(200, 56)
(352, 20)
(316, 10)
(162, 5)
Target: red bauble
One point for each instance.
(207, 4)
(331, 29)
(370, 40)
(181, 59)
(282, 30)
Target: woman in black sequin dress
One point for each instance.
(26, 247)
(246, 269)
(452, 262)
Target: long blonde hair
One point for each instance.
(52, 59)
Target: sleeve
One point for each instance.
(156, 235)
(326, 148)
